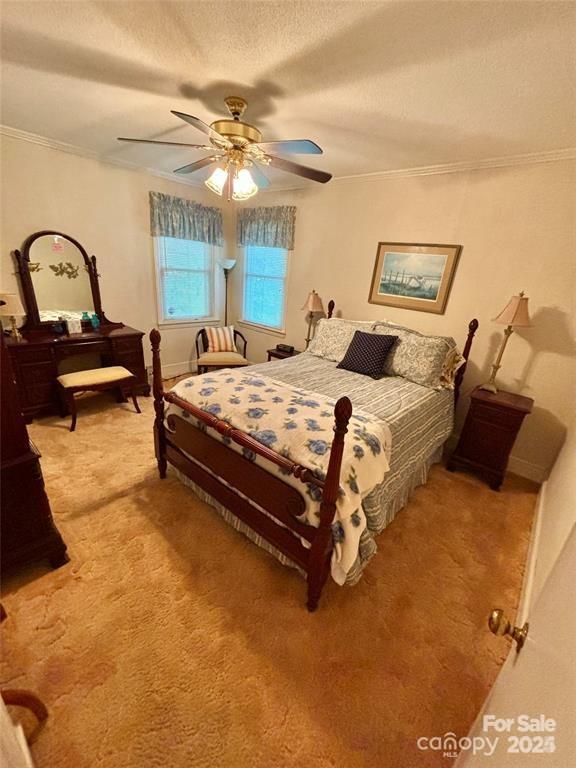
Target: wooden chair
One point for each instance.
(207, 360)
(95, 380)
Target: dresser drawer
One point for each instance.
(27, 354)
(83, 348)
(39, 395)
(123, 346)
(37, 373)
(503, 419)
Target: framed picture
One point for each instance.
(413, 275)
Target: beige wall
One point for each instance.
(518, 232)
(516, 226)
(105, 207)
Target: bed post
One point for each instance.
(330, 308)
(158, 392)
(321, 550)
(472, 328)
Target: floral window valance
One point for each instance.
(176, 217)
(272, 227)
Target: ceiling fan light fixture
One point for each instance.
(243, 185)
(217, 180)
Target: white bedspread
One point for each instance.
(299, 425)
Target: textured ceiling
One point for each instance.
(379, 85)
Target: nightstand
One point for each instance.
(280, 354)
(489, 432)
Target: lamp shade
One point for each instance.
(11, 305)
(227, 263)
(515, 313)
(217, 180)
(243, 185)
(313, 303)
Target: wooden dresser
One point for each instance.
(27, 529)
(36, 360)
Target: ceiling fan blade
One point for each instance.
(292, 147)
(201, 126)
(259, 176)
(197, 165)
(300, 170)
(169, 143)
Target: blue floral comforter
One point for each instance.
(299, 424)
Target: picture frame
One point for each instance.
(414, 275)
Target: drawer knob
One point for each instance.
(500, 625)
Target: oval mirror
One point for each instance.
(60, 277)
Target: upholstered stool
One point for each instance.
(96, 380)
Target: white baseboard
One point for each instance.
(515, 465)
(527, 469)
(169, 370)
(526, 594)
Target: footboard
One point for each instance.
(229, 477)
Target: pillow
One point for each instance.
(367, 354)
(221, 339)
(453, 362)
(416, 357)
(333, 337)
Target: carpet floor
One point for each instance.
(171, 640)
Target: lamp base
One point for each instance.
(489, 386)
(309, 336)
(14, 332)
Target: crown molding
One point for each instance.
(508, 161)
(72, 149)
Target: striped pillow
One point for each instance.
(221, 339)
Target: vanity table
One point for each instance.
(59, 279)
(37, 359)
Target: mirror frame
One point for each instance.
(22, 258)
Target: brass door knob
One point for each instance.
(500, 625)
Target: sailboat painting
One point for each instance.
(414, 276)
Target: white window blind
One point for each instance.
(265, 285)
(185, 277)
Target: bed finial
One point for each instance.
(321, 550)
(330, 308)
(472, 328)
(158, 392)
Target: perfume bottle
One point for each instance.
(95, 320)
(85, 317)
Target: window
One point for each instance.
(185, 279)
(265, 286)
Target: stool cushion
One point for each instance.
(222, 358)
(94, 376)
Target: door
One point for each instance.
(529, 717)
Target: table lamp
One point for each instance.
(313, 304)
(514, 315)
(11, 306)
(227, 265)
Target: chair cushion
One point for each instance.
(222, 358)
(94, 376)
(221, 339)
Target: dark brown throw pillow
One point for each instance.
(367, 354)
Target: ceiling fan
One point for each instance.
(238, 151)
